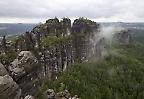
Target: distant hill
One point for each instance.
(13, 29)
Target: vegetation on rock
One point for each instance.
(53, 41)
(118, 75)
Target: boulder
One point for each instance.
(65, 95)
(23, 64)
(29, 97)
(75, 97)
(50, 94)
(3, 71)
(8, 88)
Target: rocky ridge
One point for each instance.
(46, 51)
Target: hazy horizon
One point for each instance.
(72, 19)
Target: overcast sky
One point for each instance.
(99, 10)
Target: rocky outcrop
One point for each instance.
(29, 97)
(83, 31)
(51, 94)
(60, 95)
(5, 46)
(24, 63)
(8, 88)
(24, 42)
(25, 71)
(123, 37)
(3, 71)
(48, 50)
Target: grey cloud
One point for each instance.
(70, 8)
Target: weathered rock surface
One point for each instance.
(24, 69)
(8, 88)
(24, 63)
(83, 31)
(123, 37)
(35, 60)
(29, 97)
(3, 71)
(60, 95)
(50, 94)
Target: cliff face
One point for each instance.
(9, 89)
(83, 30)
(123, 37)
(48, 50)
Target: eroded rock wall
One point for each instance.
(48, 50)
(9, 89)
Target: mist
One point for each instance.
(108, 32)
(102, 38)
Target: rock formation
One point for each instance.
(46, 51)
(3, 71)
(23, 64)
(5, 45)
(29, 97)
(60, 95)
(8, 87)
(83, 31)
(123, 37)
(24, 69)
